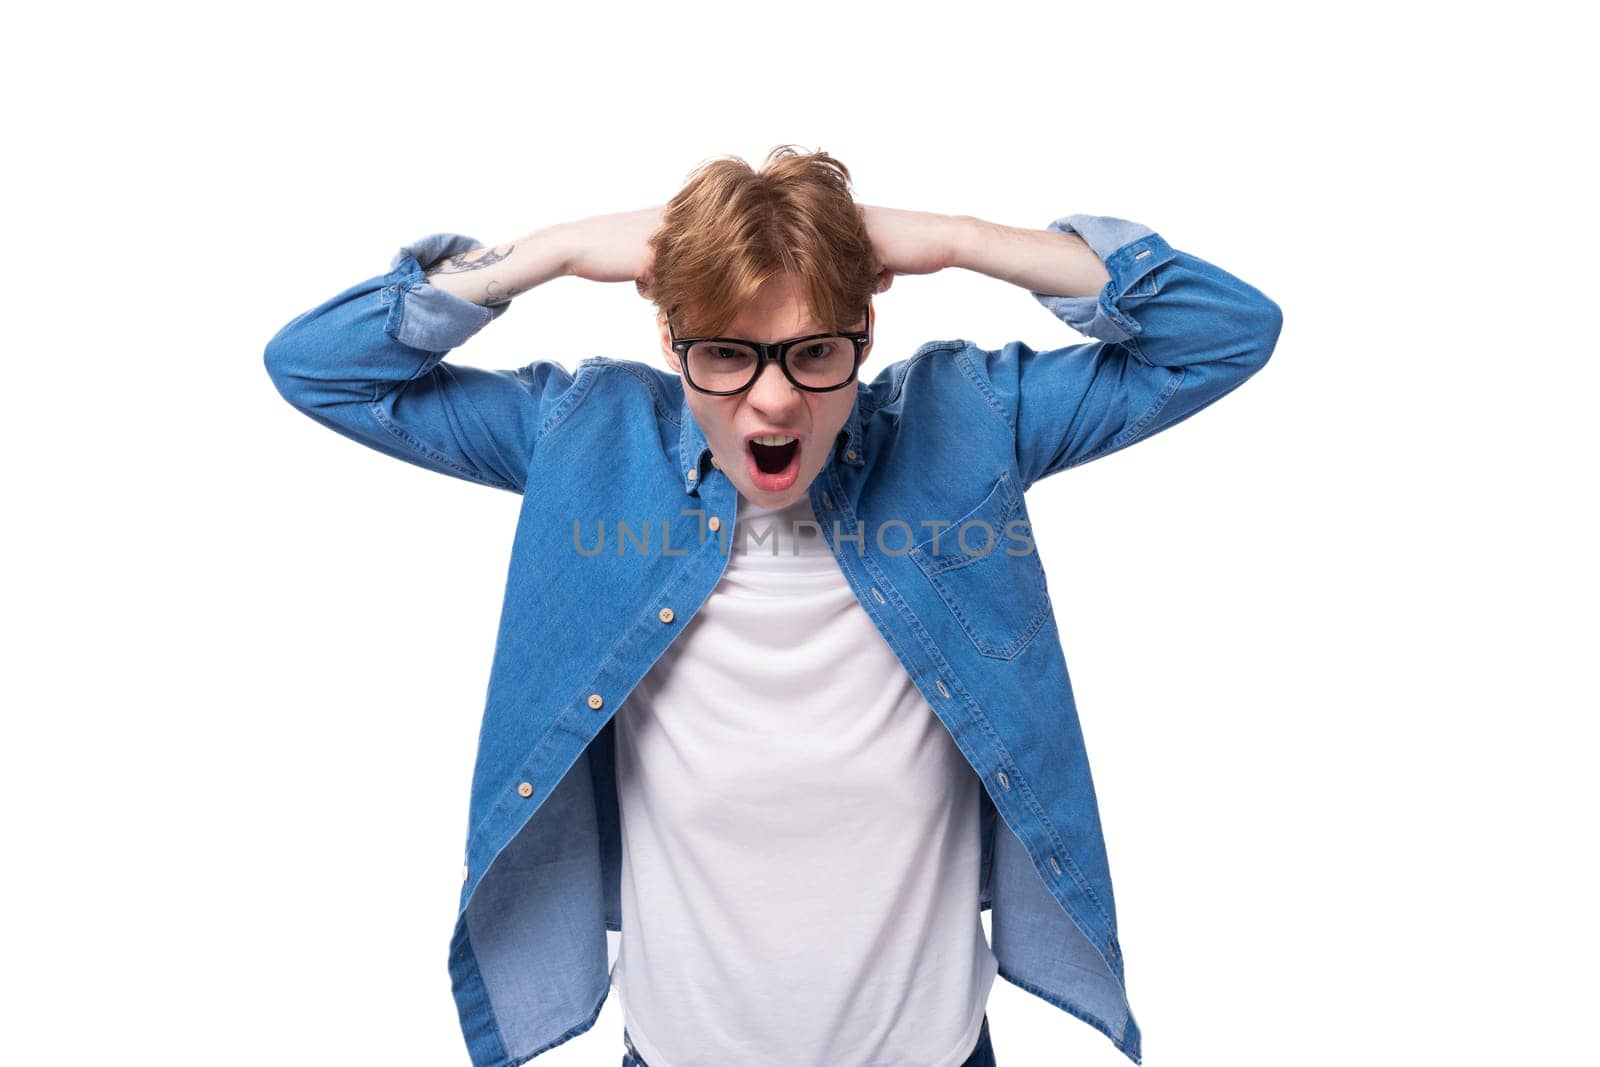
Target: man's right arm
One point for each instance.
(492, 276)
(369, 364)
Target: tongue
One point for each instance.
(773, 458)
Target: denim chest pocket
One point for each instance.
(985, 567)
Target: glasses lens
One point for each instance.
(718, 366)
(822, 361)
(819, 363)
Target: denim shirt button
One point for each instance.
(464, 872)
(665, 614)
(595, 701)
(1005, 783)
(940, 686)
(714, 524)
(692, 474)
(525, 789)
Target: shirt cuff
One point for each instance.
(425, 316)
(1130, 251)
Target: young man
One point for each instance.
(777, 692)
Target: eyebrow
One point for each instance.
(808, 333)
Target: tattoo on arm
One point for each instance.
(495, 295)
(476, 259)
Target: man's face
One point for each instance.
(773, 405)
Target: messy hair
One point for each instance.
(731, 229)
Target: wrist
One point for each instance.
(556, 248)
(962, 234)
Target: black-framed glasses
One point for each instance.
(724, 366)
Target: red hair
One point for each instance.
(731, 229)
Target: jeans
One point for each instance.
(982, 1053)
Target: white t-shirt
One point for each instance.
(800, 838)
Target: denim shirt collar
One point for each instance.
(693, 449)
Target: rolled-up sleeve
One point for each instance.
(1097, 316)
(426, 316)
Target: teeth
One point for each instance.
(770, 439)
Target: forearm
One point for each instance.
(1043, 261)
(493, 275)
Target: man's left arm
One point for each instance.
(1173, 334)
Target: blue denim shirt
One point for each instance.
(951, 436)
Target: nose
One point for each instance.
(772, 389)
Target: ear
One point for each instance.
(666, 342)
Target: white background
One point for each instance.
(1330, 639)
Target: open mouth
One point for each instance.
(774, 461)
(773, 458)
